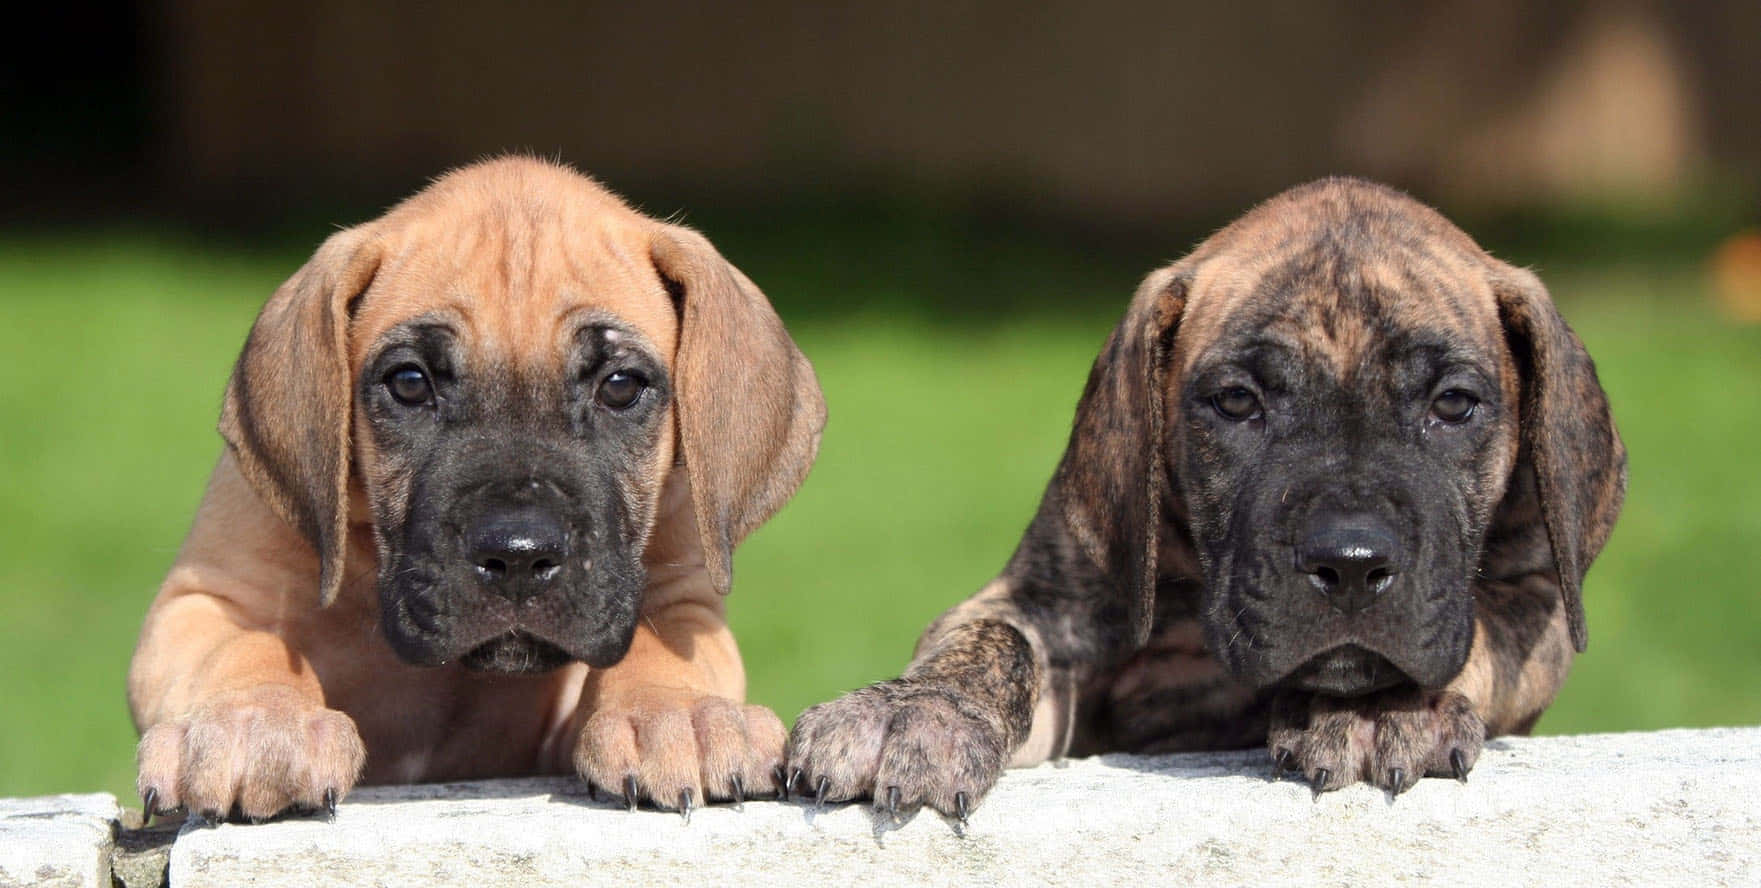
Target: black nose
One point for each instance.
(518, 553)
(1351, 559)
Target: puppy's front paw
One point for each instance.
(1389, 739)
(679, 751)
(252, 754)
(905, 744)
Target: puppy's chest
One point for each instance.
(441, 723)
(451, 731)
(1173, 695)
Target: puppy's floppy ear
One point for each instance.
(749, 408)
(1111, 478)
(1568, 434)
(286, 415)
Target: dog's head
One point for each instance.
(506, 373)
(1353, 414)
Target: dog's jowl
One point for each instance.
(1332, 487)
(487, 460)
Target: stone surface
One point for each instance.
(57, 841)
(142, 855)
(1652, 808)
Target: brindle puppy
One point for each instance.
(1333, 487)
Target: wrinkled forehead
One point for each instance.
(1340, 306)
(516, 280)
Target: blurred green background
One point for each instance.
(951, 306)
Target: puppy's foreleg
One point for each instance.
(941, 734)
(232, 714)
(668, 722)
(1521, 654)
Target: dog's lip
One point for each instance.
(1346, 671)
(423, 612)
(492, 632)
(498, 654)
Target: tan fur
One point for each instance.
(251, 691)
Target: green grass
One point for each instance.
(945, 423)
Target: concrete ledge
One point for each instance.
(1641, 808)
(62, 840)
(1650, 808)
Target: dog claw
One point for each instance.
(630, 793)
(1397, 780)
(782, 782)
(685, 798)
(330, 803)
(1458, 764)
(1282, 763)
(739, 792)
(149, 804)
(820, 790)
(789, 784)
(892, 806)
(960, 810)
(1320, 781)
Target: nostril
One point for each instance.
(544, 569)
(1378, 579)
(492, 568)
(1328, 576)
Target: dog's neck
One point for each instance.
(674, 555)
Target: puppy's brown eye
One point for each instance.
(1454, 406)
(621, 389)
(1237, 404)
(409, 385)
